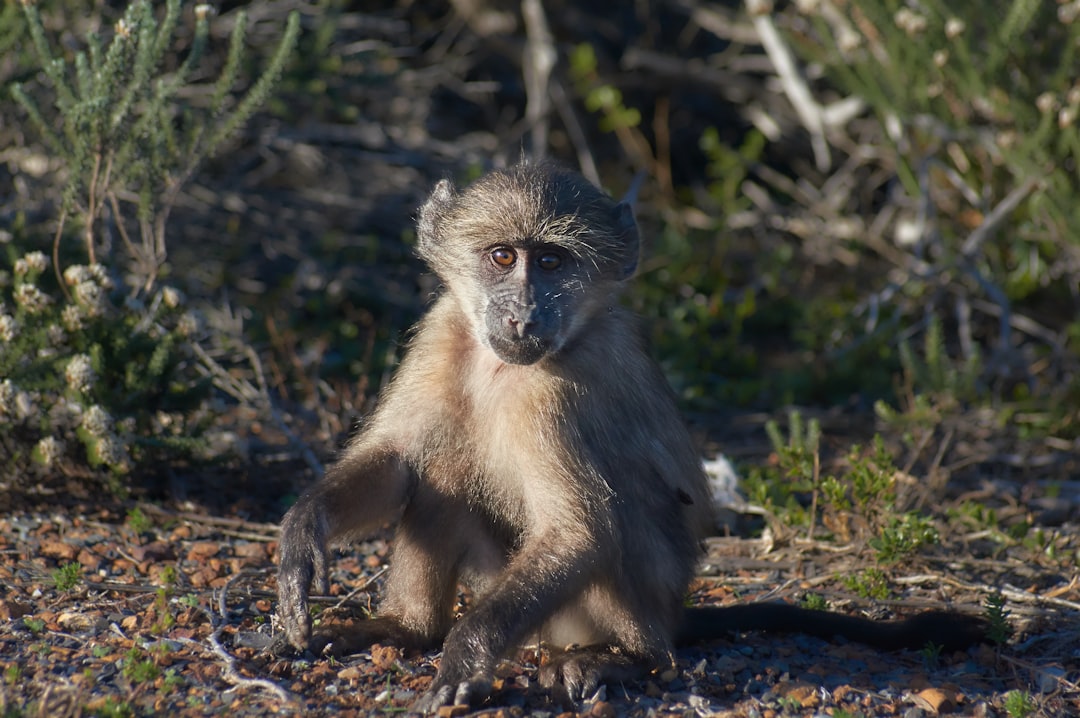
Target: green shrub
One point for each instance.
(67, 576)
(100, 361)
(127, 140)
(977, 108)
(94, 378)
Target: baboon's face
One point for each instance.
(527, 310)
(529, 256)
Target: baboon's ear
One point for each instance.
(627, 228)
(427, 225)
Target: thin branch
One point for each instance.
(268, 405)
(997, 215)
(91, 208)
(575, 131)
(538, 61)
(361, 589)
(232, 675)
(794, 87)
(119, 221)
(56, 254)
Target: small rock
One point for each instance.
(1050, 678)
(13, 609)
(698, 703)
(729, 664)
(153, 551)
(80, 622)
(250, 549)
(202, 550)
(935, 700)
(180, 533)
(602, 709)
(384, 657)
(58, 550)
(89, 560)
(805, 693)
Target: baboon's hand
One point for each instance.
(578, 675)
(465, 671)
(581, 671)
(303, 558)
(468, 692)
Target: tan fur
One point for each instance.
(528, 445)
(529, 448)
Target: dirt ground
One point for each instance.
(170, 605)
(170, 611)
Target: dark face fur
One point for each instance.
(514, 248)
(530, 292)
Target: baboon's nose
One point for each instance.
(522, 320)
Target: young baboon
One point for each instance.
(529, 448)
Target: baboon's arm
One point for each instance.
(543, 575)
(366, 489)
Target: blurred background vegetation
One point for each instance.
(865, 209)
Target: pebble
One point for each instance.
(1050, 678)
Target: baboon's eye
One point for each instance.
(503, 256)
(549, 261)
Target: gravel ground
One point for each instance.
(169, 613)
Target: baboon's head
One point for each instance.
(529, 253)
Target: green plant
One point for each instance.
(814, 601)
(868, 583)
(110, 382)
(137, 668)
(797, 472)
(123, 129)
(729, 167)
(67, 576)
(172, 680)
(137, 521)
(12, 674)
(997, 615)
(98, 374)
(114, 708)
(34, 625)
(789, 705)
(931, 655)
(164, 618)
(903, 536)
(798, 455)
(858, 502)
(978, 124)
(872, 479)
(934, 386)
(934, 372)
(599, 96)
(169, 577)
(1019, 704)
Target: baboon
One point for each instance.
(529, 448)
